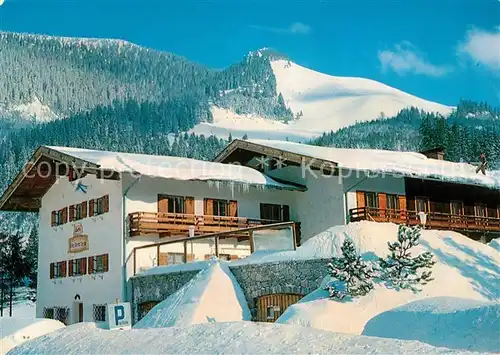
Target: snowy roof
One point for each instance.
(168, 167)
(408, 164)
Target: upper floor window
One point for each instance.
(480, 210)
(371, 200)
(59, 217)
(78, 267)
(422, 204)
(98, 264)
(392, 202)
(225, 208)
(99, 206)
(77, 212)
(273, 212)
(456, 208)
(175, 204)
(58, 269)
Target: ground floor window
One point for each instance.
(48, 312)
(99, 312)
(146, 307)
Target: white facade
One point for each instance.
(105, 233)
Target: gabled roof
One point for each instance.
(407, 164)
(48, 163)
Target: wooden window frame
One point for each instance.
(77, 267)
(58, 270)
(427, 203)
(99, 206)
(98, 264)
(396, 199)
(375, 195)
(484, 206)
(462, 211)
(283, 212)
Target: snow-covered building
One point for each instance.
(345, 185)
(105, 216)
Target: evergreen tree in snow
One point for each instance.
(399, 269)
(31, 259)
(352, 276)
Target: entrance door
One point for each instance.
(271, 307)
(80, 312)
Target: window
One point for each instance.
(371, 200)
(176, 258)
(78, 267)
(456, 208)
(392, 202)
(274, 212)
(422, 204)
(145, 307)
(77, 212)
(99, 206)
(58, 270)
(61, 314)
(99, 312)
(176, 204)
(270, 312)
(480, 210)
(219, 208)
(59, 217)
(98, 264)
(48, 312)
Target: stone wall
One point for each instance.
(295, 276)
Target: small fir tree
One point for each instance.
(352, 276)
(399, 269)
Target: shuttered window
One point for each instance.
(58, 270)
(392, 202)
(98, 206)
(98, 264)
(223, 208)
(59, 217)
(78, 267)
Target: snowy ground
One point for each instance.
(213, 295)
(216, 338)
(443, 321)
(464, 268)
(15, 330)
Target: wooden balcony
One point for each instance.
(435, 220)
(178, 224)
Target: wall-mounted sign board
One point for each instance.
(78, 243)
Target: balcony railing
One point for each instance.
(166, 224)
(435, 220)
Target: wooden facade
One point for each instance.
(271, 307)
(462, 208)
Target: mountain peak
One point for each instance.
(270, 53)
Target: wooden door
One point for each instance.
(233, 208)
(271, 307)
(80, 312)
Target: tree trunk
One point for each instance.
(11, 296)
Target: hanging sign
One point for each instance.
(78, 243)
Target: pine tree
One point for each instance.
(399, 269)
(31, 258)
(352, 276)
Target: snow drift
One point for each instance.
(443, 321)
(15, 331)
(216, 338)
(464, 268)
(213, 295)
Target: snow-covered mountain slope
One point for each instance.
(320, 102)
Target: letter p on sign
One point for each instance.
(119, 314)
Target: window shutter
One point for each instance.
(402, 202)
(91, 208)
(360, 197)
(106, 203)
(105, 262)
(63, 268)
(382, 201)
(286, 213)
(84, 209)
(189, 205)
(53, 218)
(71, 213)
(162, 204)
(83, 266)
(70, 268)
(233, 208)
(51, 272)
(64, 215)
(209, 207)
(90, 265)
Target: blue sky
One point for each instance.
(439, 50)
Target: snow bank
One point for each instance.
(168, 269)
(390, 162)
(495, 244)
(15, 331)
(464, 268)
(216, 338)
(444, 321)
(172, 167)
(211, 296)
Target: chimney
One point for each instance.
(434, 153)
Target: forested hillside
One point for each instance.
(473, 128)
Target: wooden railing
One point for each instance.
(166, 224)
(434, 220)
